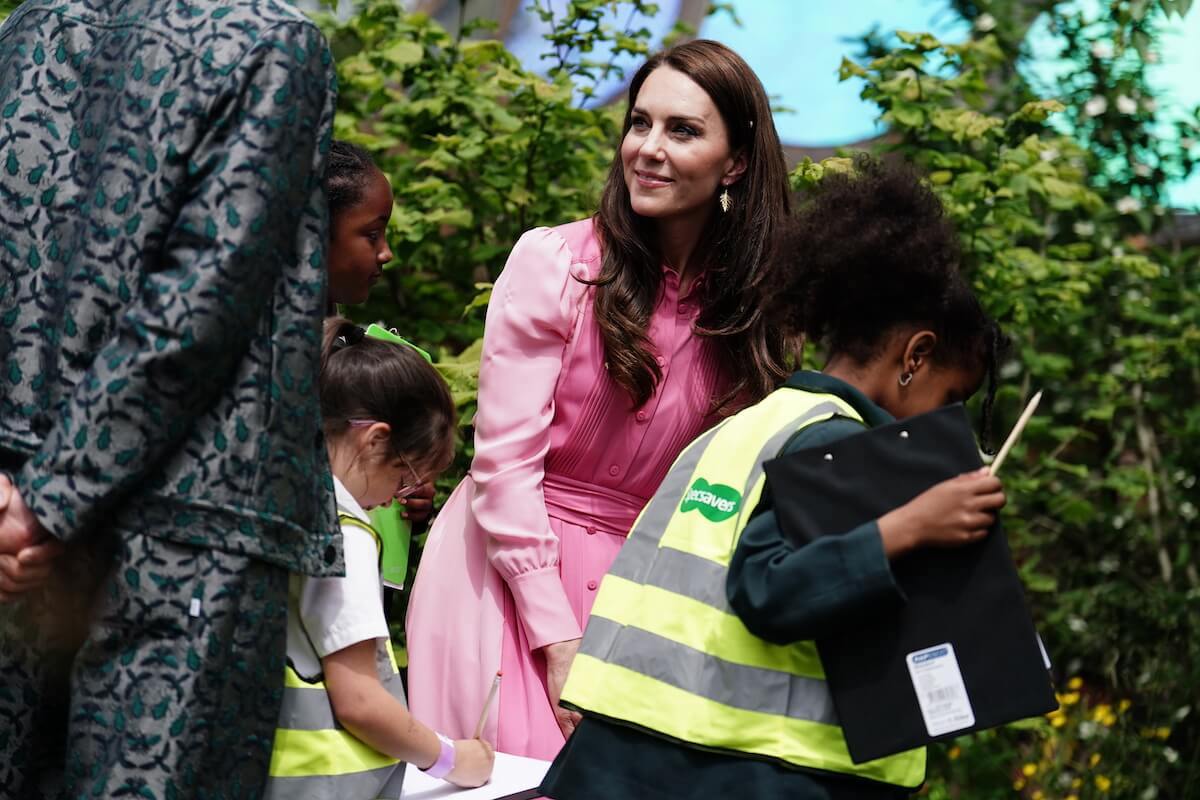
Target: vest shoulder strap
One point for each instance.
(355, 522)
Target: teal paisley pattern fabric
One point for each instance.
(180, 699)
(162, 237)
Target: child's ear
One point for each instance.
(919, 350)
(379, 434)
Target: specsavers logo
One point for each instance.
(716, 502)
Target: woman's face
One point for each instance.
(358, 246)
(676, 155)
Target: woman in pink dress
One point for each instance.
(610, 343)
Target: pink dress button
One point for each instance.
(614, 470)
(592, 585)
(590, 531)
(662, 362)
(641, 416)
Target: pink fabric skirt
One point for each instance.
(463, 625)
(591, 524)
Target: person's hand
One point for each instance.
(27, 552)
(473, 760)
(952, 513)
(558, 663)
(419, 505)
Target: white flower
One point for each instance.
(1049, 154)
(1102, 50)
(1096, 106)
(1084, 229)
(1077, 624)
(1152, 57)
(1126, 105)
(1150, 793)
(985, 23)
(1182, 712)
(1128, 205)
(1087, 729)
(1109, 564)
(1170, 754)
(1118, 252)
(1142, 170)
(1149, 104)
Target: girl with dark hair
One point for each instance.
(698, 676)
(610, 343)
(360, 205)
(344, 730)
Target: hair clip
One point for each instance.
(390, 335)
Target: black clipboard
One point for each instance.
(970, 598)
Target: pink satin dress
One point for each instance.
(563, 464)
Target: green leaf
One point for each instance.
(404, 54)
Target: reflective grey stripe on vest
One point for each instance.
(338, 787)
(704, 675)
(311, 710)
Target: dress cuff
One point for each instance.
(543, 608)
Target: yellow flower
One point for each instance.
(1094, 760)
(1068, 699)
(1030, 770)
(1072, 797)
(1019, 784)
(1123, 706)
(1038, 795)
(1075, 683)
(1058, 721)
(1103, 783)
(955, 752)
(1163, 732)
(1076, 783)
(1101, 711)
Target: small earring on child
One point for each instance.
(906, 379)
(725, 201)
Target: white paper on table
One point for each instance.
(511, 774)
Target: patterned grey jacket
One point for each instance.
(162, 235)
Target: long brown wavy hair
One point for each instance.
(736, 247)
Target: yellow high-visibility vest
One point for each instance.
(663, 650)
(314, 757)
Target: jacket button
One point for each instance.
(330, 554)
(592, 585)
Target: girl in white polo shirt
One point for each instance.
(345, 730)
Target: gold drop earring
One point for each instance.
(725, 200)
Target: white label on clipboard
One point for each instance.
(941, 693)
